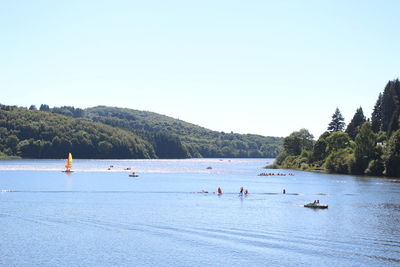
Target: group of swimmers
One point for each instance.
(219, 191)
(243, 192)
(277, 174)
(112, 166)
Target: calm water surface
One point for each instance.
(100, 217)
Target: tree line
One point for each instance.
(37, 134)
(366, 146)
(197, 141)
(105, 132)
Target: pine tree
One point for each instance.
(32, 107)
(357, 121)
(394, 122)
(376, 116)
(390, 106)
(337, 124)
(44, 107)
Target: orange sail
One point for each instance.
(68, 166)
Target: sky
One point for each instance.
(261, 67)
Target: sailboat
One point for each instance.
(68, 166)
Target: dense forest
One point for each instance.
(198, 141)
(107, 132)
(366, 146)
(38, 134)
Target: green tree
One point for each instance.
(394, 123)
(44, 107)
(12, 142)
(364, 149)
(390, 106)
(375, 167)
(357, 120)
(105, 147)
(297, 141)
(376, 116)
(337, 124)
(336, 141)
(169, 147)
(32, 107)
(319, 152)
(339, 161)
(391, 155)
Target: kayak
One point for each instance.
(316, 206)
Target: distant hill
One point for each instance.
(41, 134)
(199, 141)
(110, 132)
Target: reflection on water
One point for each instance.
(143, 166)
(97, 217)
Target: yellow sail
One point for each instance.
(69, 162)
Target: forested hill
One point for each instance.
(39, 134)
(199, 141)
(106, 132)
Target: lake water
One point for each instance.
(101, 217)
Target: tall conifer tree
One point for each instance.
(337, 124)
(357, 121)
(390, 106)
(376, 116)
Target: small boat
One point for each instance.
(133, 174)
(316, 206)
(68, 166)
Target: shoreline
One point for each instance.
(319, 170)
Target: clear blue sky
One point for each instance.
(264, 67)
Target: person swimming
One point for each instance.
(203, 191)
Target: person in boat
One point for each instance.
(241, 190)
(246, 192)
(219, 191)
(318, 201)
(284, 191)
